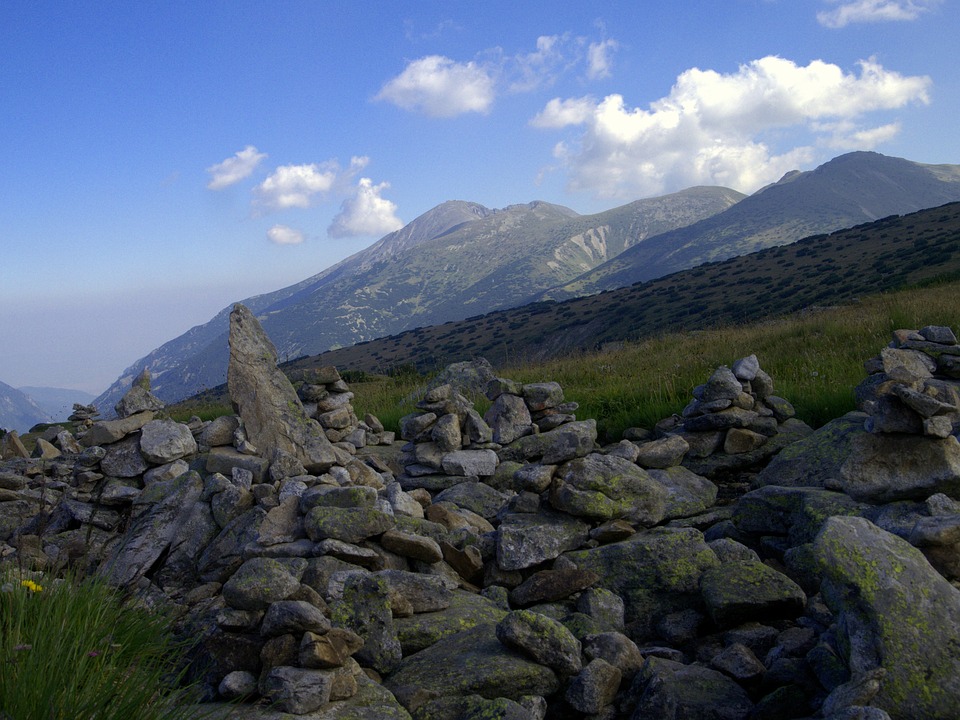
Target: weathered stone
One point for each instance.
(663, 453)
(424, 593)
(470, 463)
(687, 492)
(365, 609)
(412, 546)
(472, 662)
(526, 540)
(894, 612)
(669, 689)
(548, 586)
(617, 649)
(508, 418)
(594, 687)
(272, 415)
(258, 583)
(153, 529)
(123, 458)
(604, 488)
(477, 497)
(564, 443)
(542, 396)
(294, 617)
(413, 425)
(224, 459)
(297, 690)
(741, 440)
(446, 433)
(237, 684)
(542, 639)
(136, 400)
(816, 459)
(163, 441)
(329, 650)
(655, 572)
(884, 469)
(465, 610)
(351, 524)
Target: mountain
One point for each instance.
(848, 190)
(17, 411)
(456, 260)
(57, 402)
(817, 271)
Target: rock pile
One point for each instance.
(513, 568)
(734, 421)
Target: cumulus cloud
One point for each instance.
(284, 235)
(866, 11)
(599, 58)
(441, 87)
(234, 169)
(297, 186)
(711, 128)
(365, 213)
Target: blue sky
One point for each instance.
(160, 160)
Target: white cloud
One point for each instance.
(865, 11)
(599, 60)
(284, 235)
(711, 128)
(540, 67)
(441, 87)
(297, 185)
(234, 169)
(365, 213)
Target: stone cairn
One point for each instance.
(503, 565)
(733, 422)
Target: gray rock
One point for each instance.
(524, 540)
(166, 507)
(260, 582)
(477, 497)
(365, 609)
(123, 458)
(446, 434)
(237, 684)
(663, 453)
(894, 612)
(351, 524)
(424, 593)
(687, 493)
(224, 459)
(594, 687)
(566, 442)
(272, 415)
(617, 649)
(669, 689)
(508, 418)
(293, 616)
(542, 639)
(136, 400)
(163, 441)
(547, 586)
(901, 467)
(604, 487)
(470, 463)
(297, 690)
(472, 662)
(219, 431)
(655, 572)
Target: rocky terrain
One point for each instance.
(729, 563)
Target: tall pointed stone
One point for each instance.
(273, 417)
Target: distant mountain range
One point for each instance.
(462, 259)
(18, 411)
(57, 402)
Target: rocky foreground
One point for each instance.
(507, 566)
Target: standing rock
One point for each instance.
(272, 414)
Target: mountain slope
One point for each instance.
(456, 260)
(848, 190)
(887, 254)
(17, 411)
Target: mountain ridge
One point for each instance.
(441, 266)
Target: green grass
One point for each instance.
(74, 649)
(815, 359)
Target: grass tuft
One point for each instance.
(74, 649)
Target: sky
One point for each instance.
(162, 160)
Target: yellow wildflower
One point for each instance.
(31, 586)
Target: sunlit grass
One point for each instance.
(815, 359)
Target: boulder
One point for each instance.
(524, 540)
(668, 689)
(884, 468)
(894, 611)
(542, 639)
(741, 591)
